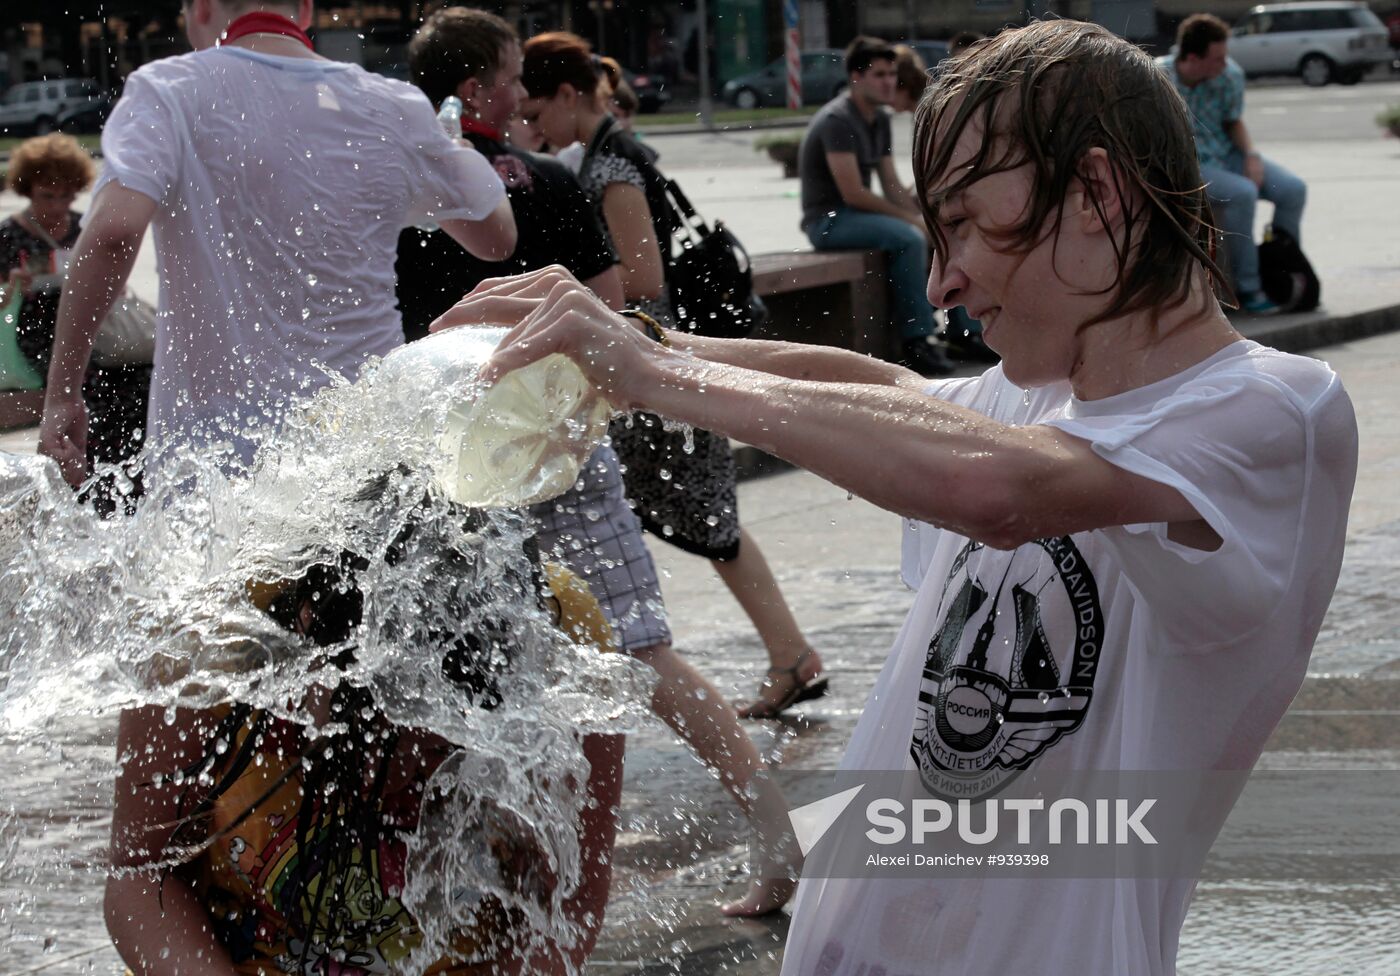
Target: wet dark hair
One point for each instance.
(1198, 32)
(558, 58)
(1044, 95)
(455, 44)
(325, 604)
(865, 51)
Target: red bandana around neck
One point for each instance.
(263, 22)
(479, 128)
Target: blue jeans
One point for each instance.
(1233, 198)
(906, 249)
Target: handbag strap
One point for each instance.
(595, 146)
(689, 218)
(682, 202)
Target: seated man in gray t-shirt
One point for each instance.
(847, 141)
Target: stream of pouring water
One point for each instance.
(155, 609)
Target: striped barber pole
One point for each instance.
(794, 54)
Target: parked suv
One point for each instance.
(1318, 41)
(39, 106)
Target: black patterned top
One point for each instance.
(40, 309)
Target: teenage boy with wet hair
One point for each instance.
(475, 56)
(1236, 175)
(848, 140)
(1133, 466)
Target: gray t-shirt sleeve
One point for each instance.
(836, 136)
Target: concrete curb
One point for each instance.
(799, 122)
(1300, 333)
(1290, 333)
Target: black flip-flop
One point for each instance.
(801, 691)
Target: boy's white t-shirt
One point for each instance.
(281, 186)
(1160, 657)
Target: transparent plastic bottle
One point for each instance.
(522, 440)
(450, 116)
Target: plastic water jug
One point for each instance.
(520, 441)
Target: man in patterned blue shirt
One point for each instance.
(1237, 176)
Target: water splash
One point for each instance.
(162, 609)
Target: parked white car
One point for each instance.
(38, 106)
(1320, 41)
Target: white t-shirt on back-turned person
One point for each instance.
(1114, 649)
(281, 186)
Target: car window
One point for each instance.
(31, 96)
(1329, 19)
(1256, 24)
(1340, 20)
(1288, 21)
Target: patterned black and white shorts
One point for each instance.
(591, 530)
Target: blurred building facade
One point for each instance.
(108, 39)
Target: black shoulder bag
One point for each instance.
(1286, 274)
(706, 268)
(710, 276)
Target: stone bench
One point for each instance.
(832, 298)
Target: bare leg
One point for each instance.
(751, 581)
(698, 713)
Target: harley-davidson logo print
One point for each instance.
(1010, 670)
